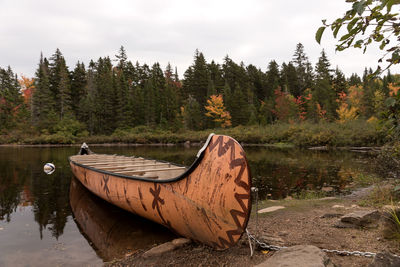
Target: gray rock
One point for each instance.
(272, 240)
(271, 209)
(179, 242)
(385, 259)
(159, 250)
(327, 189)
(338, 206)
(298, 256)
(361, 217)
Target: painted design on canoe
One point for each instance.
(156, 203)
(208, 202)
(234, 162)
(141, 199)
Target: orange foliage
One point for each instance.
(285, 108)
(216, 110)
(27, 87)
(393, 89)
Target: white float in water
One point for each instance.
(49, 168)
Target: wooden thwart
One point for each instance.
(151, 170)
(131, 166)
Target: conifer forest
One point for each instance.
(113, 96)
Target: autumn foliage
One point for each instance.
(346, 112)
(27, 87)
(216, 110)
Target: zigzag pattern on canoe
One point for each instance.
(234, 162)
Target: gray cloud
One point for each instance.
(254, 31)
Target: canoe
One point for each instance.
(209, 202)
(111, 231)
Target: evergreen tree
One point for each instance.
(302, 66)
(289, 80)
(60, 84)
(273, 80)
(197, 79)
(354, 80)
(323, 94)
(43, 102)
(193, 114)
(11, 101)
(239, 108)
(78, 84)
(339, 81)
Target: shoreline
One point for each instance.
(360, 149)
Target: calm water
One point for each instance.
(49, 220)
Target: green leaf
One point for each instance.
(359, 7)
(351, 24)
(335, 32)
(319, 33)
(345, 37)
(383, 44)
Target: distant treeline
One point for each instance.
(110, 94)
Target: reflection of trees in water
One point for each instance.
(11, 183)
(22, 182)
(282, 172)
(50, 205)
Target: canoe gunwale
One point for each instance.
(196, 162)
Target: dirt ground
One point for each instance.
(301, 222)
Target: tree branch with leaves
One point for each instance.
(368, 22)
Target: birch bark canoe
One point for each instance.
(209, 202)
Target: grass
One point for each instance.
(363, 180)
(306, 134)
(309, 194)
(392, 223)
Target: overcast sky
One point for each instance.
(251, 31)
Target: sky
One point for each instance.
(252, 31)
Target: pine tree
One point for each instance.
(289, 80)
(324, 96)
(354, 80)
(193, 114)
(11, 101)
(301, 64)
(60, 84)
(339, 81)
(78, 84)
(239, 108)
(43, 101)
(273, 80)
(197, 79)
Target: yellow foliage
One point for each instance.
(355, 95)
(216, 110)
(346, 112)
(373, 119)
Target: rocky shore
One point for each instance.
(304, 227)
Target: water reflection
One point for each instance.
(111, 231)
(282, 172)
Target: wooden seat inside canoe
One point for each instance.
(130, 166)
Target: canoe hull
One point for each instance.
(210, 205)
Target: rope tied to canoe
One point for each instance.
(254, 242)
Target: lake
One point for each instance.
(49, 220)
